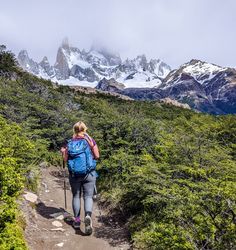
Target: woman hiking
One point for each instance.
(81, 154)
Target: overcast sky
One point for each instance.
(173, 30)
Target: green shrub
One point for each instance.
(17, 159)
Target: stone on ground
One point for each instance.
(30, 197)
(60, 244)
(56, 223)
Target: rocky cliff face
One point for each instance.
(110, 85)
(62, 66)
(42, 69)
(49, 70)
(27, 63)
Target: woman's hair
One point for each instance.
(79, 127)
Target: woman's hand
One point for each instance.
(63, 150)
(64, 153)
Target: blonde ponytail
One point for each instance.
(79, 128)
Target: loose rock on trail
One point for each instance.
(49, 226)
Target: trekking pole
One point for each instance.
(64, 171)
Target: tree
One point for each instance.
(8, 61)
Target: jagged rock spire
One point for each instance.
(65, 43)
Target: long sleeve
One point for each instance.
(95, 152)
(93, 146)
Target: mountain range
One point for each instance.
(203, 86)
(86, 68)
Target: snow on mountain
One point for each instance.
(139, 70)
(204, 86)
(72, 81)
(201, 71)
(87, 68)
(144, 79)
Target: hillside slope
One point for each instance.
(169, 172)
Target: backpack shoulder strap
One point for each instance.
(86, 138)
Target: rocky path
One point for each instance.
(49, 226)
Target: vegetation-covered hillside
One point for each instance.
(170, 172)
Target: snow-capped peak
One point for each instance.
(201, 71)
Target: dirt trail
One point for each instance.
(107, 234)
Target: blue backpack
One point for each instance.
(80, 157)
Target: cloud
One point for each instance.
(174, 30)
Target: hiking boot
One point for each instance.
(76, 223)
(88, 225)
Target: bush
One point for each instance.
(18, 156)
